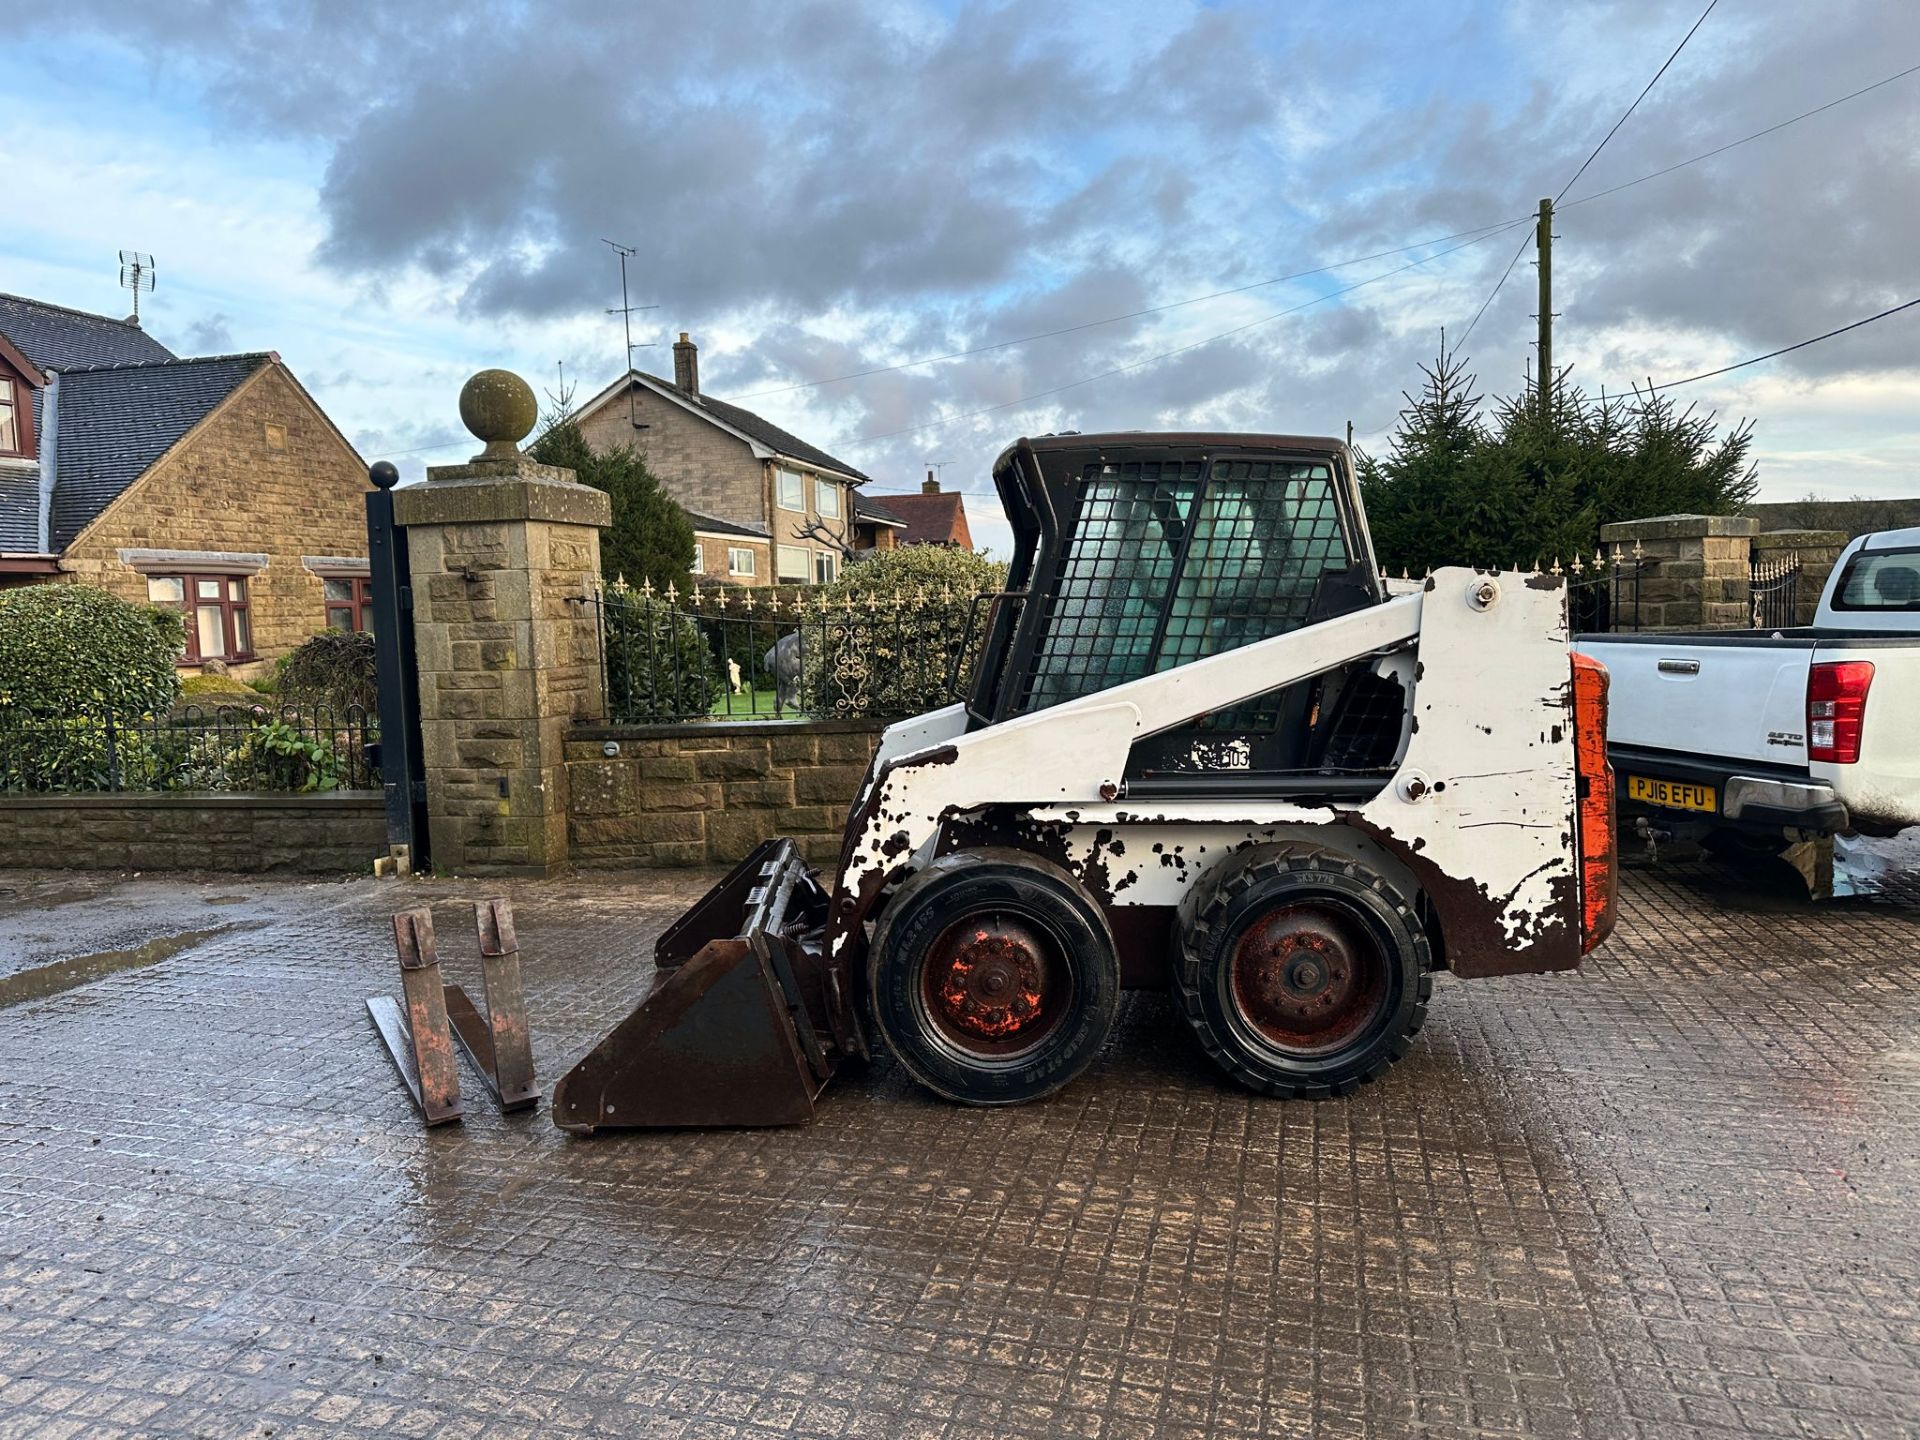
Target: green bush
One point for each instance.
(209, 692)
(886, 639)
(963, 573)
(659, 665)
(71, 649)
(73, 752)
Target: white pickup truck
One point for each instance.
(1771, 736)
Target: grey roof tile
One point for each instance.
(19, 509)
(54, 337)
(866, 507)
(116, 420)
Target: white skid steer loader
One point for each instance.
(1203, 748)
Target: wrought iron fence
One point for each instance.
(1603, 594)
(1773, 591)
(732, 653)
(296, 749)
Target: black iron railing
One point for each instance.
(1773, 590)
(303, 749)
(1603, 594)
(733, 653)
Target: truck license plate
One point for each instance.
(1673, 794)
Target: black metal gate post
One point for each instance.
(402, 760)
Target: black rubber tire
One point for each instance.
(1244, 893)
(1036, 894)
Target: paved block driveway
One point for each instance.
(1673, 1194)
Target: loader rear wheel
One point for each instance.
(1305, 975)
(993, 978)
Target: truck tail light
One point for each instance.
(1594, 822)
(1836, 705)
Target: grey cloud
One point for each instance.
(864, 180)
(210, 335)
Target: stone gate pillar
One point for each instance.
(505, 554)
(1692, 569)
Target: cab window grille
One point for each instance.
(1164, 566)
(1129, 525)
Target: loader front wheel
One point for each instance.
(1305, 975)
(993, 978)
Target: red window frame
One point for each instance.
(236, 614)
(357, 609)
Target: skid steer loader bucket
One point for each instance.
(746, 1023)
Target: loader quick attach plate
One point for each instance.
(745, 1024)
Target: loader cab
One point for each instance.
(1138, 553)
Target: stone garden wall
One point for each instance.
(232, 833)
(706, 794)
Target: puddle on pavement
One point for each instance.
(44, 980)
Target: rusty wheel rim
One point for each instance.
(994, 986)
(1308, 979)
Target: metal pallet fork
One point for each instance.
(497, 1043)
(419, 1040)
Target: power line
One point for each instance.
(1636, 101)
(1484, 232)
(1478, 231)
(1735, 144)
(1500, 284)
(1496, 289)
(1183, 349)
(1783, 350)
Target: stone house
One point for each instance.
(211, 484)
(932, 517)
(766, 506)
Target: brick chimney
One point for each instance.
(930, 486)
(686, 364)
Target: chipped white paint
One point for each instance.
(1490, 734)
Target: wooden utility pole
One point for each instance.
(1543, 242)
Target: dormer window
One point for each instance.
(11, 429)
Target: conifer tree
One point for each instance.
(651, 538)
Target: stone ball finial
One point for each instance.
(499, 408)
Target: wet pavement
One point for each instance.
(1672, 1194)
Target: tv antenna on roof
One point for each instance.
(136, 274)
(625, 312)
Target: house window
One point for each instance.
(10, 426)
(219, 620)
(792, 565)
(349, 602)
(823, 568)
(699, 565)
(739, 561)
(827, 496)
(793, 491)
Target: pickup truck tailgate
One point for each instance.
(1743, 702)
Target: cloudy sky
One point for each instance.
(393, 196)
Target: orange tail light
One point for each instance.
(1594, 781)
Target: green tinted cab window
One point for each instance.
(1168, 565)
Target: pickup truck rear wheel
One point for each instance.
(993, 977)
(1304, 974)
